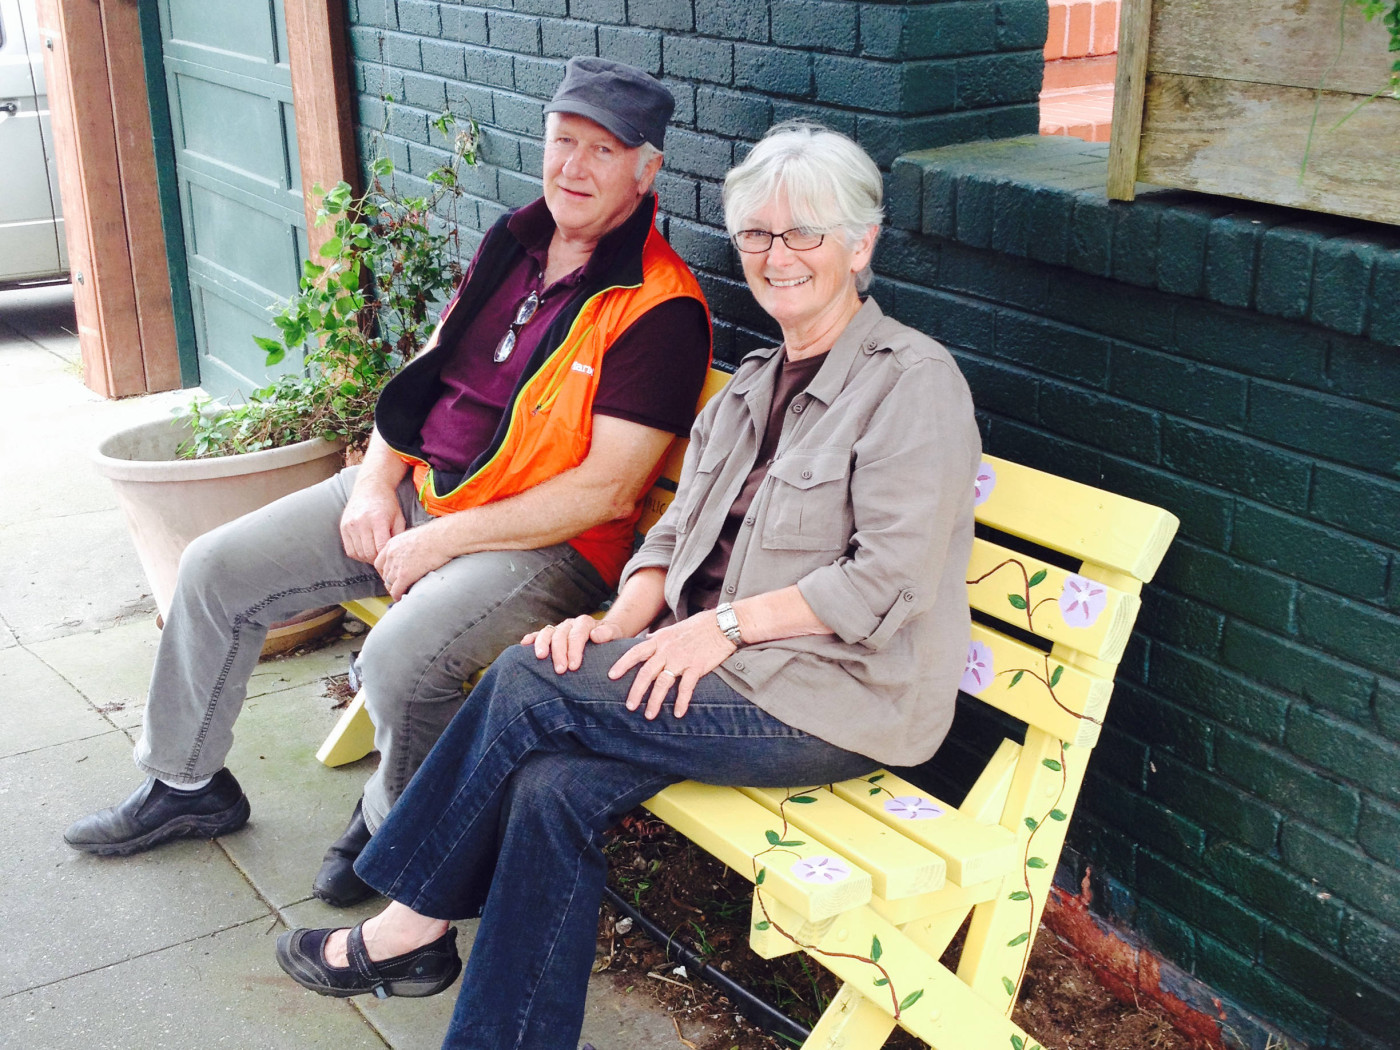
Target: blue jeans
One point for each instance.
(505, 820)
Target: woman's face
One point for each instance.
(800, 289)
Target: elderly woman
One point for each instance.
(801, 606)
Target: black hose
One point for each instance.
(765, 1015)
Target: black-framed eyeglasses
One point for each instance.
(523, 313)
(797, 238)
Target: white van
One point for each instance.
(32, 244)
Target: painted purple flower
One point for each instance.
(982, 487)
(821, 869)
(913, 807)
(1082, 600)
(977, 674)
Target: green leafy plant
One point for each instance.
(364, 309)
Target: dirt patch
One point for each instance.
(694, 898)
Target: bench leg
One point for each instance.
(352, 738)
(850, 1022)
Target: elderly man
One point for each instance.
(499, 492)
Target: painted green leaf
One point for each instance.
(1020, 938)
(877, 776)
(1018, 1042)
(765, 924)
(758, 879)
(875, 950)
(1055, 676)
(910, 999)
(1050, 763)
(1016, 678)
(1032, 823)
(802, 799)
(880, 982)
(875, 791)
(790, 842)
(1035, 862)
(1057, 814)
(1010, 988)
(1019, 895)
(1017, 602)
(1037, 578)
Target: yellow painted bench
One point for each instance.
(874, 877)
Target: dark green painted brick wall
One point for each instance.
(1238, 364)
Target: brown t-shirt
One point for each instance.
(706, 583)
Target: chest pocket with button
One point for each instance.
(809, 505)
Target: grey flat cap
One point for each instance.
(630, 103)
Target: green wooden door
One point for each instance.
(234, 131)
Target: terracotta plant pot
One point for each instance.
(168, 501)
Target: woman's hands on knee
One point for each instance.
(564, 642)
(678, 655)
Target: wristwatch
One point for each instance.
(728, 622)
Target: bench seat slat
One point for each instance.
(1080, 700)
(974, 852)
(1000, 582)
(735, 829)
(898, 866)
(1080, 520)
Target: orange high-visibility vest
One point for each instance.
(550, 422)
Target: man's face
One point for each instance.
(591, 184)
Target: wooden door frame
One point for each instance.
(106, 113)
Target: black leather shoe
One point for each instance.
(156, 813)
(336, 883)
(421, 972)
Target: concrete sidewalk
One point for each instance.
(172, 948)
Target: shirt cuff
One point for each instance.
(837, 602)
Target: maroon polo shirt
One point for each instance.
(637, 380)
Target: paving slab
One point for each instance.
(299, 806)
(38, 708)
(220, 990)
(65, 913)
(110, 667)
(84, 581)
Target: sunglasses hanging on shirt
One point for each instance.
(523, 313)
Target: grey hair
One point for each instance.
(646, 152)
(829, 182)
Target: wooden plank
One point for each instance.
(1249, 140)
(974, 852)
(318, 51)
(1039, 689)
(1099, 619)
(945, 1013)
(736, 830)
(1134, 24)
(90, 185)
(351, 739)
(1298, 44)
(1124, 534)
(369, 610)
(156, 347)
(898, 866)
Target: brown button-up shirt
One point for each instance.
(867, 508)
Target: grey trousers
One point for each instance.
(269, 565)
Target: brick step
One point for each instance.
(1071, 73)
(1081, 27)
(1085, 113)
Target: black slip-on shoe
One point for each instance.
(422, 972)
(156, 813)
(336, 883)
